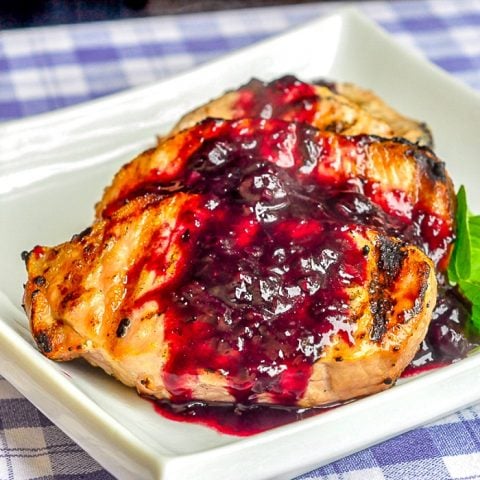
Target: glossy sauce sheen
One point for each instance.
(290, 99)
(258, 301)
(446, 341)
(236, 420)
(255, 298)
(286, 98)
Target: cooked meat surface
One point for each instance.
(130, 297)
(412, 130)
(336, 107)
(386, 183)
(251, 261)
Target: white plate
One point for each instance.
(53, 169)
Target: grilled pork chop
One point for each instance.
(338, 316)
(337, 107)
(247, 261)
(388, 183)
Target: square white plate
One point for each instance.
(53, 169)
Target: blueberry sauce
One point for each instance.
(290, 99)
(448, 338)
(257, 301)
(286, 98)
(273, 213)
(237, 419)
(447, 341)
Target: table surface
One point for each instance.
(47, 68)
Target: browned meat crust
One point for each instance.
(412, 130)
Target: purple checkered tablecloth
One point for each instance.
(48, 68)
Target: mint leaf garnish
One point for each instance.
(464, 266)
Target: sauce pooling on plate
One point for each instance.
(236, 420)
(445, 343)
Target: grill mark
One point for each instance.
(79, 236)
(40, 281)
(390, 258)
(380, 309)
(122, 327)
(434, 168)
(43, 342)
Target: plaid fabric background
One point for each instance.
(45, 69)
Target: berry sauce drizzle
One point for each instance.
(448, 338)
(286, 98)
(261, 252)
(445, 343)
(273, 213)
(238, 420)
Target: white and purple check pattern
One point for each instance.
(48, 68)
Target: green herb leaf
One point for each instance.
(476, 316)
(459, 267)
(474, 224)
(464, 266)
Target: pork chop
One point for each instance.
(248, 261)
